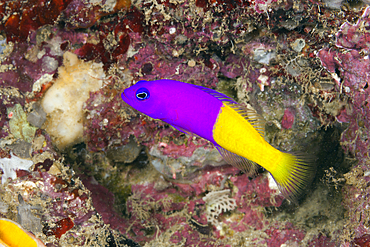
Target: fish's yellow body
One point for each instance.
(12, 235)
(241, 133)
(234, 133)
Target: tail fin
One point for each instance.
(294, 173)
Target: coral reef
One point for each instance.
(348, 59)
(81, 168)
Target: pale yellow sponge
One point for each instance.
(64, 100)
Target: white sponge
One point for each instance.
(10, 166)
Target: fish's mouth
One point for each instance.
(124, 97)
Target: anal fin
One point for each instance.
(245, 165)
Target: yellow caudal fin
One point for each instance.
(293, 174)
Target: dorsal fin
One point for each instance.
(220, 96)
(251, 116)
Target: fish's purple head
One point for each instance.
(146, 97)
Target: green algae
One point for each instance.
(18, 124)
(176, 198)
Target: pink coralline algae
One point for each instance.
(179, 206)
(83, 14)
(177, 213)
(259, 5)
(349, 61)
(288, 119)
(28, 70)
(147, 65)
(351, 65)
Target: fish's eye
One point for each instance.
(142, 94)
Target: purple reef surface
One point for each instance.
(80, 167)
(349, 60)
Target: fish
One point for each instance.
(235, 130)
(13, 234)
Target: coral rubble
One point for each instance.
(82, 168)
